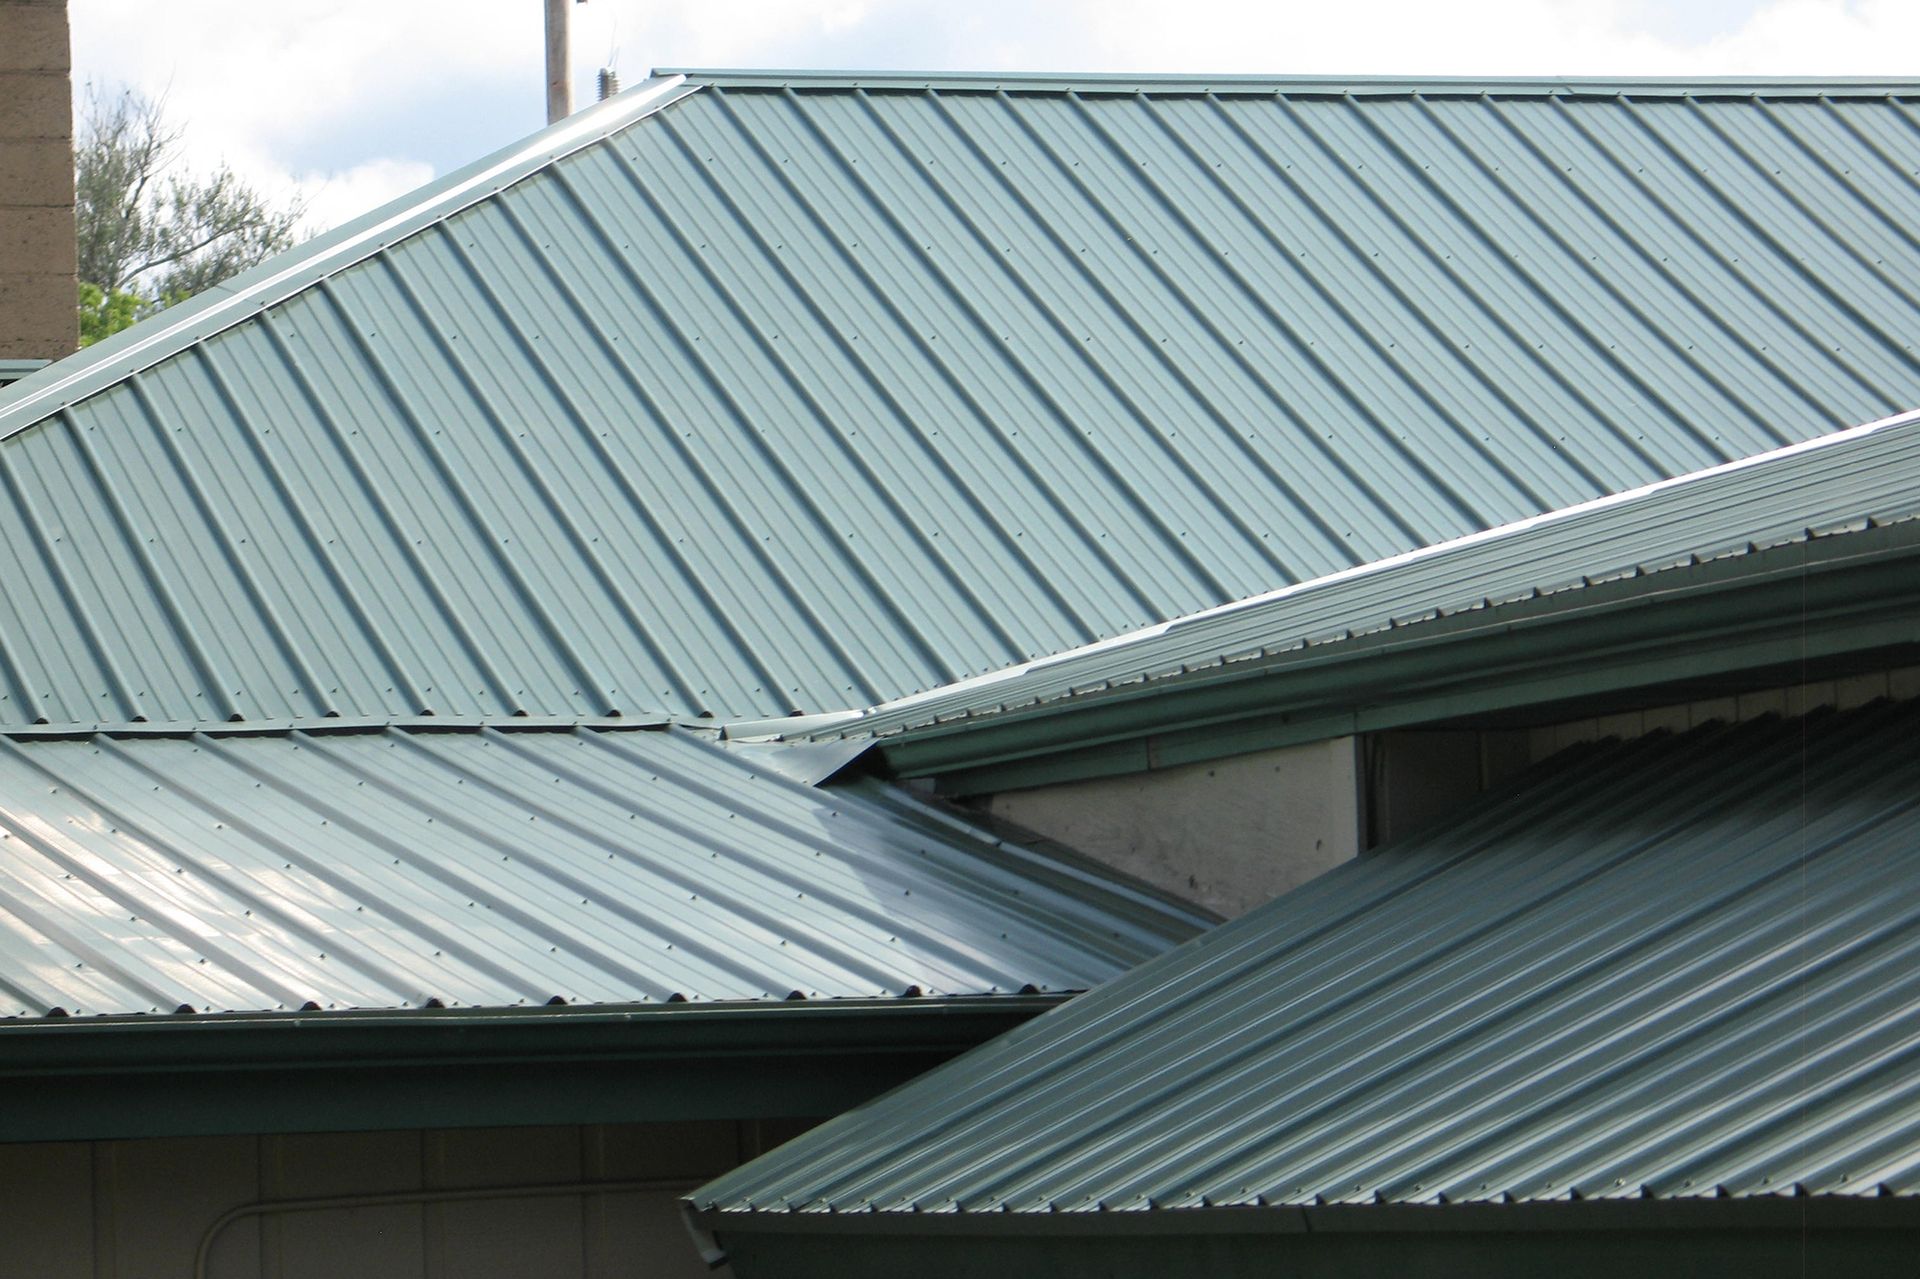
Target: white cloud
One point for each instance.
(333, 198)
(381, 88)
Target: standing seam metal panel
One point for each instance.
(806, 397)
(1674, 967)
(480, 868)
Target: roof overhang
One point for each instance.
(163, 1076)
(1761, 614)
(1708, 1237)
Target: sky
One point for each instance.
(345, 104)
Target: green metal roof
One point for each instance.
(747, 394)
(1838, 485)
(410, 869)
(1677, 968)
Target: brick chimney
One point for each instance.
(38, 320)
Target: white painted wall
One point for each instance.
(140, 1209)
(1228, 835)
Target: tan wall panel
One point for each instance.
(36, 105)
(367, 1243)
(36, 241)
(33, 37)
(36, 171)
(154, 1199)
(38, 320)
(528, 1237)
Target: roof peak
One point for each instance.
(1310, 85)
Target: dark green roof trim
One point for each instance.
(1314, 85)
(199, 1075)
(1761, 612)
(1737, 1239)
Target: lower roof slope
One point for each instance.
(743, 395)
(1672, 968)
(481, 869)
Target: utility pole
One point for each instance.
(559, 68)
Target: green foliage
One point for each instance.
(103, 314)
(149, 235)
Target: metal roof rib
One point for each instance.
(1679, 967)
(747, 395)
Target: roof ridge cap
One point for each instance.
(1111, 81)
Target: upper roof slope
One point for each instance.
(1678, 967)
(739, 396)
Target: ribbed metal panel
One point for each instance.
(1844, 482)
(391, 870)
(772, 399)
(1675, 967)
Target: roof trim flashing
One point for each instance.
(82, 1037)
(1358, 86)
(796, 728)
(40, 395)
(850, 724)
(1638, 1211)
(177, 1075)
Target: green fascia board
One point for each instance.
(1843, 593)
(1712, 1239)
(169, 1076)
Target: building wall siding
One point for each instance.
(142, 1209)
(1228, 835)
